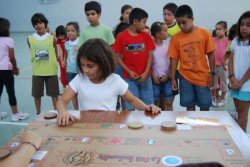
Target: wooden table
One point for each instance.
(238, 136)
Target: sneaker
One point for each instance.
(19, 116)
(214, 102)
(221, 103)
(3, 115)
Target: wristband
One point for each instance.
(32, 144)
(230, 76)
(212, 73)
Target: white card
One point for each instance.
(39, 155)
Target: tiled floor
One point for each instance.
(25, 100)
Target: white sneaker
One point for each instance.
(3, 115)
(221, 103)
(215, 103)
(19, 116)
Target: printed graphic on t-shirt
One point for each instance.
(191, 57)
(135, 47)
(41, 54)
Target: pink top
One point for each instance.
(161, 61)
(5, 44)
(221, 48)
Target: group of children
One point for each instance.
(175, 57)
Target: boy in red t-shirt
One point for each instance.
(190, 46)
(136, 48)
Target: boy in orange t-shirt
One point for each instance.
(190, 47)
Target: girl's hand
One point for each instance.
(153, 109)
(15, 71)
(164, 78)
(234, 83)
(143, 77)
(65, 118)
(156, 80)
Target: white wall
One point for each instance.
(206, 12)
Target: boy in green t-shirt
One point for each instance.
(95, 29)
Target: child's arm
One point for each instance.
(55, 47)
(173, 64)
(245, 77)
(211, 62)
(131, 73)
(28, 42)
(224, 62)
(144, 75)
(140, 105)
(64, 118)
(13, 61)
(234, 83)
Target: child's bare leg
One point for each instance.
(192, 108)
(75, 103)
(223, 95)
(204, 109)
(54, 100)
(14, 109)
(38, 104)
(169, 104)
(242, 108)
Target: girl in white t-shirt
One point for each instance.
(8, 67)
(96, 85)
(239, 70)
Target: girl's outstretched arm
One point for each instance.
(140, 105)
(64, 118)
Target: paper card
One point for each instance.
(39, 155)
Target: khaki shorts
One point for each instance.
(51, 82)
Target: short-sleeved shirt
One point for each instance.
(220, 51)
(241, 61)
(101, 31)
(5, 44)
(101, 96)
(160, 65)
(71, 50)
(134, 50)
(190, 50)
(173, 30)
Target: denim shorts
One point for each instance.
(70, 76)
(163, 88)
(143, 91)
(191, 95)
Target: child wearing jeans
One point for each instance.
(161, 67)
(136, 48)
(190, 46)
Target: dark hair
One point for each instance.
(224, 25)
(203, 164)
(123, 9)
(4, 27)
(171, 7)
(243, 16)
(120, 28)
(232, 33)
(184, 11)
(99, 52)
(138, 14)
(214, 33)
(60, 30)
(93, 5)
(39, 18)
(74, 24)
(156, 27)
